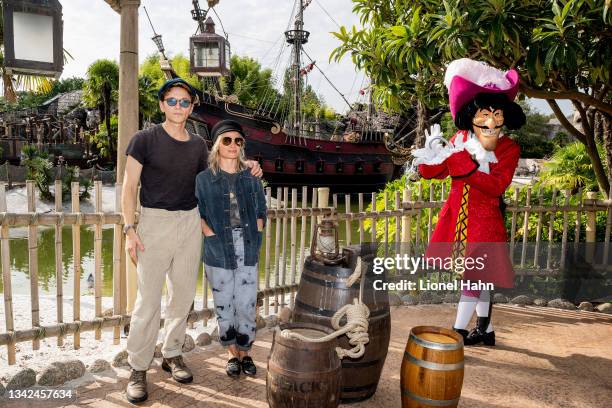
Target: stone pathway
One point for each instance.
(545, 358)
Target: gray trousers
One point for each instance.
(235, 296)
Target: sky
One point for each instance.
(255, 28)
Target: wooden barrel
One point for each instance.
(303, 374)
(432, 369)
(322, 292)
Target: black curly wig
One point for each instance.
(514, 117)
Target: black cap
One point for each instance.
(223, 126)
(180, 82)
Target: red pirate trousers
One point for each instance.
(486, 233)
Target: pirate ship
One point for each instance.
(353, 155)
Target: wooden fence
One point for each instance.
(408, 211)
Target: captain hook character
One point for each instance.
(481, 160)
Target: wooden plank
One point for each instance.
(551, 223)
(578, 223)
(373, 212)
(59, 264)
(567, 194)
(293, 244)
(406, 222)
(418, 219)
(361, 232)
(284, 244)
(267, 252)
(98, 255)
(303, 231)
(398, 223)
(385, 197)
(536, 260)
(347, 221)
(606, 250)
(33, 260)
(76, 258)
(430, 211)
(6, 278)
(277, 246)
(525, 228)
(513, 227)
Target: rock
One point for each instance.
(522, 300)
(204, 339)
(121, 359)
(499, 298)
(1, 389)
(586, 306)
(426, 297)
(562, 304)
(23, 379)
(394, 299)
(285, 315)
(260, 323)
(604, 308)
(452, 297)
(540, 302)
(409, 300)
(189, 344)
(436, 299)
(158, 352)
(271, 321)
(99, 366)
(51, 376)
(74, 369)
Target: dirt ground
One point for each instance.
(544, 358)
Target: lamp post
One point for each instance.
(209, 52)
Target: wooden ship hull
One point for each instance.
(289, 161)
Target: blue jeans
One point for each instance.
(235, 296)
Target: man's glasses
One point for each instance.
(183, 103)
(228, 141)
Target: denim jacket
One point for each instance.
(212, 192)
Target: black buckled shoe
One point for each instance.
(136, 390)
(232, 368)
(479, 334)
(462, 332)
(248, 367)
(176, 366)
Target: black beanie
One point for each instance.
(226, 125)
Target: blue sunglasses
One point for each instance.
(183, 103)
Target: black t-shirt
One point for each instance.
(169, 168)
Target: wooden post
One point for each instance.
(293, 244)
(526, 227)
(398, 223)
(303, 230)
(128, 80)
(267, 258)
(406, 222)
(430, 211)
(606, 250)
(98, 255)
(76, 257)
(117, 255)
(551, 229)
(59, 269)
(361, 233)
(284, 244)
(373, 211)
(347, 222)
(590, 226)
(277, 245)
(513, 227)
(323, 199)
(567, 194)
(6, 276)
(536, 261)
(418, 218)
(386, 208)
(33, 260)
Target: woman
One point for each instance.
(233, 211)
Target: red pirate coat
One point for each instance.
(486, 233)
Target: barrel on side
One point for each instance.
(432, 369)
(303, 374)
(321, 293)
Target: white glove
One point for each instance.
(436, 149)
(434, 139)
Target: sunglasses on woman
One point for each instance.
(183, 103)
(228, 141)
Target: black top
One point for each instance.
(169, 168)
(234, 210)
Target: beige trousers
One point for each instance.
(172, 248)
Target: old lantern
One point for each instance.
(209, 52)
(33, 37)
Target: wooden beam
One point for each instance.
(114, 5)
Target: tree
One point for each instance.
(251, 84)
(151, 68)
(101, 92)
(532, 136)
(561, 48)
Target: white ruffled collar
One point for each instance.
(482, 156)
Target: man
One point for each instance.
(165, 159)
(481, 161)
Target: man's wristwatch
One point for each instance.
(127, 227)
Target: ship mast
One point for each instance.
(297, 37)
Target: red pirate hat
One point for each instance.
(466, 78)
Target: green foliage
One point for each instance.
(100, 139)
(32, 99)
(249, 82)
(148, 104)
(40, 169)
(102, 77)
(570, 168)
(151, 68)
(532, 136)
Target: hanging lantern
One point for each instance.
(33, 37)
(324, 247)
(209, 52)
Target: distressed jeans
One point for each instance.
(235, 296)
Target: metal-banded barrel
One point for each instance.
(432, 369)
(323, 291)
(303, 374)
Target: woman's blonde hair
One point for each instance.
(213, 156)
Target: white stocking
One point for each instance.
(482, 307)
(465, 310)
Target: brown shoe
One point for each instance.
(176, 366)
(136, 390)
